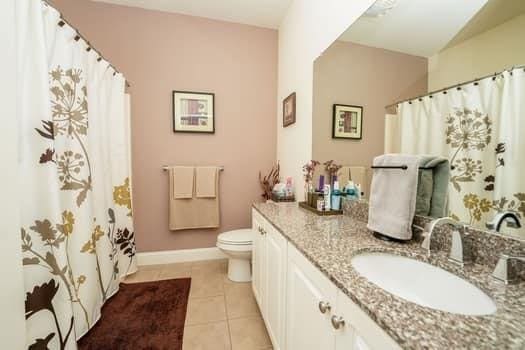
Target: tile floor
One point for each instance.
(221, 315)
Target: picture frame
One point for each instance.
(289, 104)
(347, 122)
(193, 112)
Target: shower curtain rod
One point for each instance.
(79, 36)
(475, 81)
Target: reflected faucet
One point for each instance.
(508, 216)
(456, 250)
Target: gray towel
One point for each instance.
(432, 190)
(393, 196)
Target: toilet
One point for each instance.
(237, 245)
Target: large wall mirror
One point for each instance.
(441, 79)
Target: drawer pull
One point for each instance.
(337, 322)
(324, 306)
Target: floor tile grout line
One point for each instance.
(228, 318)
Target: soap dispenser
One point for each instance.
(336, 196)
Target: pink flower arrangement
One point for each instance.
(308, 170)
(331, 169)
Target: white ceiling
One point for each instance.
(262, 13)
(416, 27)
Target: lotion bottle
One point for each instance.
(327, 197)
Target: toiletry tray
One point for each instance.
(282, 199)
(304, 205)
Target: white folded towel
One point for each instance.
(393, 196)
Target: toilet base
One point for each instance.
(239, 270)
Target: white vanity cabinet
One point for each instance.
(301, 307)
(258, 259)
(269, 277)
(310, 296)
(359, 331)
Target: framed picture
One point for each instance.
(193, 112)
(289, 110)
(347, 122)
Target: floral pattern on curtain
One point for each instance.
(77, 233)
(479, 128)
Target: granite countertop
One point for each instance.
(331, 242)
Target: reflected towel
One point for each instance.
(358, 175)
(432, 190)
(343, 175)
(182, 179)
(205, 182)
(393, 196)
(193, 213)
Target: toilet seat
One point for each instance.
(242, 237)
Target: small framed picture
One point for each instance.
(193, 112)
(347, 122)
(289, 110)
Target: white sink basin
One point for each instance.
(423, 284)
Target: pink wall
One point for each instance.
(160, 52)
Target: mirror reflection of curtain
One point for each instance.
(479, 127)
(76, 232)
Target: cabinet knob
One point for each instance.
(337, 322)
(324, 306)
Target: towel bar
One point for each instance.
(166, 167)
(403, 167)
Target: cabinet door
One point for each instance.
(258, 251)
(275, 285)
(307, 328)
(359, 331)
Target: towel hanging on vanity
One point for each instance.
(195, 211)
(393, 196)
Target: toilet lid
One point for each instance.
(238, 237)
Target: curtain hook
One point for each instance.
(61, 23)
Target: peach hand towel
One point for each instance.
(182, 179)
(359, 175)
(205, 182)
(193, 213)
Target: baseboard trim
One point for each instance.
(177, 256)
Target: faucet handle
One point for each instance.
(459, 250)
(503, 271)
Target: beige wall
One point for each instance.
(492, 51)
(359, 75)
(160, 52)
(308, 28)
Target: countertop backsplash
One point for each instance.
(484, 247)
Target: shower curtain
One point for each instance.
(479, 127)
(77, 234)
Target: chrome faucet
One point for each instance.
(504, 271)
(457, 250)
(510, 217)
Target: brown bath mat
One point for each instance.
(146, 315)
